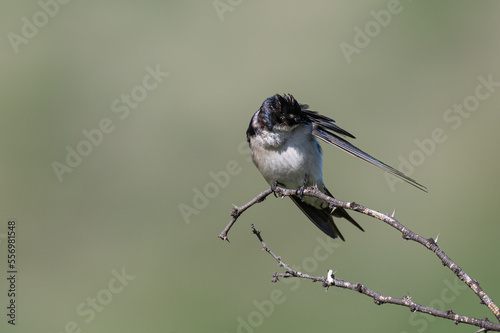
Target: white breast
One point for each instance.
(288, 157)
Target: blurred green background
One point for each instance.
(66, 68)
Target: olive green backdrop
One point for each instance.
(122, 132)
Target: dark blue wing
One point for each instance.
(328, 137)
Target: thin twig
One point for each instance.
(407, 234)
(237, 211)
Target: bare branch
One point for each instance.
(407, 234)
(237, 211)
(406, 301)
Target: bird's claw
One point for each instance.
(300, 190)
(273, 188)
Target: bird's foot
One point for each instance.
(300, 190)
(273, 188)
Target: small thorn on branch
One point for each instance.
(235, 212)
(431, 241)
(330, 276)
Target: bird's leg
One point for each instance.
(300, 190)
(273, 188)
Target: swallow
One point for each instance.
(282, 136)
